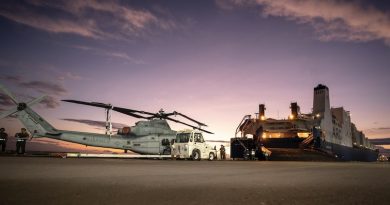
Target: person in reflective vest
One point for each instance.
(223, 152)
(3, 139)
(21, 139)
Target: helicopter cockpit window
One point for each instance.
(182, 137)
(198, 137)
(120, 131)
(124, 131)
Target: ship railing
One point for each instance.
(244, 119)
(243, 124)
(306, 142)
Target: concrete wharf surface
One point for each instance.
(44, 180)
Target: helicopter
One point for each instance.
(151, 135)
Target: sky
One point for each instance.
(214, 60)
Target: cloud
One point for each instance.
(121, 55)
(332, 20)
(96, 123)
(50, 70)
(72, 76)
(50, 89)
(383, 128)
(69, 75)
(61, 75)
(229, 4)
(5, 100)
(125, 57)
(12, 78)
(381, 141)
(377, 132)
(378, 129)
(50, 102)
(23, 15)
(45, 87)
(89, 18)
(47, 102)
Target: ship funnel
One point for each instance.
(261, 112)
(294, 110)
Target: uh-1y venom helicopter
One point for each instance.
(151, 136)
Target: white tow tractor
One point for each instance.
(190, 144)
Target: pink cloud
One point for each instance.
(332, 20)
(109, 19)
(111, 54)
(42, 22)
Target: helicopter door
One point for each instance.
(165, 145)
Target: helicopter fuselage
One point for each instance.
(146, 137)
(146, 144)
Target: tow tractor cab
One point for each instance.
(190, 144)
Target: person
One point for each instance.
(3, 139)
(21, 139)
(173, 149)
(223, 152)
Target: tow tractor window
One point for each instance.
(182, 137)
(198, 137)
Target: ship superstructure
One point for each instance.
(326, 129)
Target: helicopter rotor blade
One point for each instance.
(125, 111)
(177, 121)
(9, 94)
(95, 104)
(128, 112)
(165, 115)
(191, 119)
(137, 111)
(160, 115)
(132, 113)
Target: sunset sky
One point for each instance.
(212, 60)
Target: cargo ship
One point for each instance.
(326, 131)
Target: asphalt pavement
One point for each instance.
(44, 180)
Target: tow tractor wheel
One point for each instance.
(211, 156)
(195, 155)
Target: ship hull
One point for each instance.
(350, 153)
(337, 151)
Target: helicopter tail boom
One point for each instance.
(35, 124)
